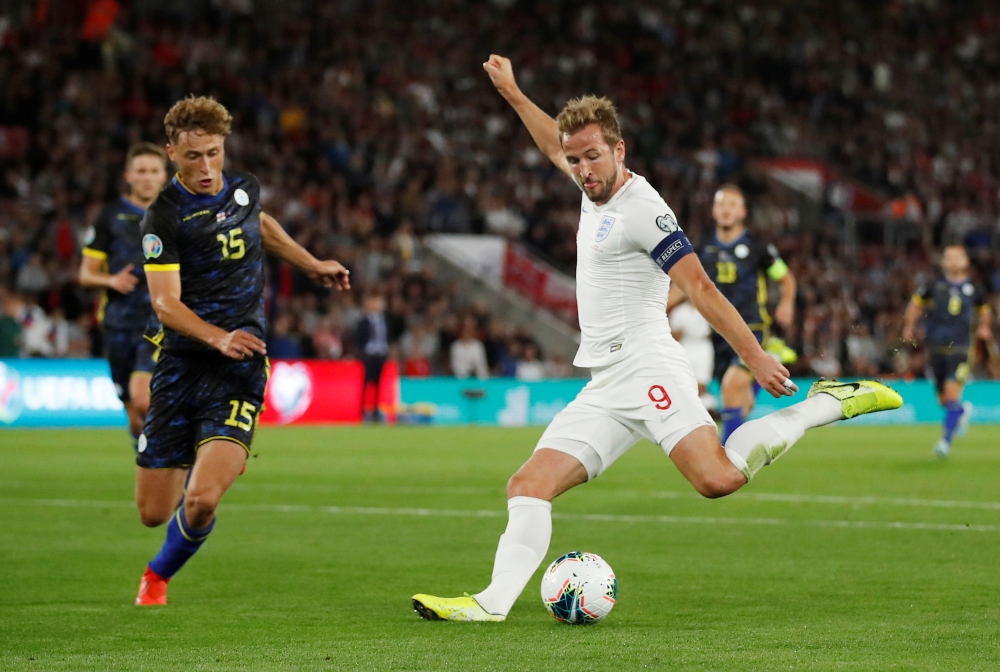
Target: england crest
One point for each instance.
(605, 228)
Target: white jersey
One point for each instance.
(621, 292)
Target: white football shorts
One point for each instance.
(651, 393)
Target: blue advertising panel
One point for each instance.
(498, 401)
(58, 393)
(513, 403)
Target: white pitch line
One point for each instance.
(654, 494)
(592, 517)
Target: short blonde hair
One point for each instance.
(201, 113)
(586, 110)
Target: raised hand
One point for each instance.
(501, 74)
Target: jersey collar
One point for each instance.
(129, 205)
(743, 235)
(204, 198)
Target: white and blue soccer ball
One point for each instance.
(579, 588)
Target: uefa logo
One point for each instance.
(152, 246)
(11, 398)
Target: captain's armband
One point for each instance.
(670, 250)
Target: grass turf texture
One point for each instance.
(750, 582)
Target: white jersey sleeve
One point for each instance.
(653, 227)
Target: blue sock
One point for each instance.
(732, 418)
(953, 412)
(181, 543)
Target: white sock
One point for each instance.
(521, 549)
(762, 441)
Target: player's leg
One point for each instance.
(547, 474)
(949, 373)
(578, 445)
(158, 492)
(121, 352)
(738, 396)
(138, 390)
(699, 456)
(139, 379)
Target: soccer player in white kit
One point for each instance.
(694, 333)
(629, 248)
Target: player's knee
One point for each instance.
(526, 485)
(713, 486)
(151, 517)
(199, 507)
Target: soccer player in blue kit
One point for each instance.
(951, 302)
(204, 239)
(112, 261)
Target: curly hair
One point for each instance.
(201, 113)
(587, 110)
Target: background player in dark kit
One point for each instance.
(204, 240)
(112, 261)
(951, 303)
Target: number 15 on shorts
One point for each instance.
(658, 395)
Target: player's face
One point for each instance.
(596, 165)
(199, 157)
(955, 260)
(728, 209)
(145, 176)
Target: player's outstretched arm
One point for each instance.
(165, 295)
(278, 243)
(709, 301)
(541, 126)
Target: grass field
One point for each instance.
(857, 551)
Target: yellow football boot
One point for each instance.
(863, 396)
(452, 609)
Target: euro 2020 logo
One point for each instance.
(11, 399)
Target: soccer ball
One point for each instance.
(579, 588)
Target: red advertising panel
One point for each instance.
(324, 392)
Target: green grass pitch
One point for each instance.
(857, 551)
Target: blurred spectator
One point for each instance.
(402, 134)
(529, 367)
(281, 344)
(326, 340)
(371, 337)
(468, 356)
(10, 327)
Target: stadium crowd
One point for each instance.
(368, 130)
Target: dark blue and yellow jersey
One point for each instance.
(215, 243)
(950, 310)
(740, 270)
(117, 242)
